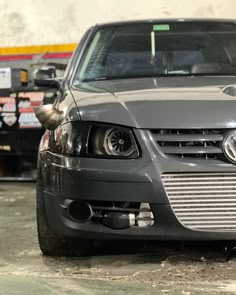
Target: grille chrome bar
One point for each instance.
(203, 205)
(205, 222)
(186, 138)
(187, 192)
(219, 227)
(204, 180)
(190, 183)
(201, 214)
(203, 187)
(203, 201)
(200, 210)
(191, 150)
(198, 175)
(202, 197)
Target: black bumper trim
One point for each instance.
(166, 226)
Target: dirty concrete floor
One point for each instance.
(118, 268)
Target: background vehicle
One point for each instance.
(140, 144)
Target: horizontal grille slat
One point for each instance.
(202, 214)
(190, 183)
(206, 202)
(214, 227)
(180, 205)
(215, 210)
(189, 137)
(215, 222)
(208, 179)
(187, 192)
(191, 150)
(201, 175)
(193, 201)
(201, 197)
(208, 219)
(202, 187)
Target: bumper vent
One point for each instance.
(203, 201)
(193, 143)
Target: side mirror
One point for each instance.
(49, 116)
(45, 77)
(52, 83)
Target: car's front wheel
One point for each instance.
(51, 244)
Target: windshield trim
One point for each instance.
(153, 76)
(164, 20)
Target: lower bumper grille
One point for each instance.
(203, 201)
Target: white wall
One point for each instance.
(36, 22)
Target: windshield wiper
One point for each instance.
(134, 77)
(96, 79)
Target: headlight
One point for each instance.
(95, 140)
(112, 142)
(118, 142)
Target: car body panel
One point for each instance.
(158, 103)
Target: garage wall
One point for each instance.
(28, 22)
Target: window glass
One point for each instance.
(143, 50)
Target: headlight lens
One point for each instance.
(115, 141)
(118, 142)
(95, 140)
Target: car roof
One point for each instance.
(162, 20)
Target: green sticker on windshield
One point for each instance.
(161, 27)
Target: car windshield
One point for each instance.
(159, 49)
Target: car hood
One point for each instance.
(199, 102)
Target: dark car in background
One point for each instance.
(141, 140)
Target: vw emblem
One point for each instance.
(229, 146)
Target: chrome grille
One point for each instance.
(203, 201)
(193, 143)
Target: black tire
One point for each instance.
(51, 244)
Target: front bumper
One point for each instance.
(71, 178)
